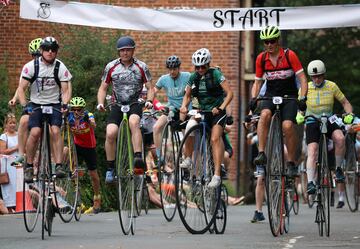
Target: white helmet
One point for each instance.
(316, 67)
(201, 57)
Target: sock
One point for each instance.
(110, 164)
(158, 153)
(138, 154)
(341, 196)
(338, 161)
(311, 174)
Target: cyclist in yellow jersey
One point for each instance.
(320, 100)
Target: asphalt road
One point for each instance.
(153, 231)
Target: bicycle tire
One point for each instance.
(45, 175)
(287, 206)
(224, 194)
(146, 200)
(125, 178)
(31, 202)
(351, 175)
(67, 188)
(325, 186)
(166, 164)
(274, 186)
(139, 182)
(220, 218)
(78, 212)
(191, 189)
(295, 205)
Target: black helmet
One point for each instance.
(49, 42)
(173, 62)
(125, 42)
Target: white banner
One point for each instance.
(189, 20)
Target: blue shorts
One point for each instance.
(36, 117)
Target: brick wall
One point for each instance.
(15, 34)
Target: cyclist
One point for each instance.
(50, 88)
(279, 67)
(213, 93)
(321, 96)
(174, 83)
(128, 75)
(82, 125)
(34, 51)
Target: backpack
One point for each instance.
(56, 72)
(211, 88)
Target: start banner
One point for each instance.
(190, 19)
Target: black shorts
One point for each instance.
(313, 131)
(116, 114)
(88, 155)
(219, 119)
(35, 119)
(148, 139)
(288, 109)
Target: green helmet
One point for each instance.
(270, 32)
(77, 102)
(34, 46)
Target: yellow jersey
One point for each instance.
(321, 99)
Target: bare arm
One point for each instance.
(23, 85)
(229, 95)
(66, 89)
(102, 92)
(347, 106)
(256, 88)
(186, 100)
(150, 91)
(303, 82)
(6, 151)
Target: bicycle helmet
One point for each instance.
(270, 32)
(49, 42)
(34, 46)
(125, 42)
(316, 67)
(173, 62)
(201, 57)
(77, 102)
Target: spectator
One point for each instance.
(9, 147)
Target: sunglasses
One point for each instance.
(273, 41)
(47, 49)
(77, 109)
(200, 67)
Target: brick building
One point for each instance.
(226, 48)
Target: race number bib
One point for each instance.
(47, 109)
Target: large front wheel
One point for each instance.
(351, 175)
(196, 202)
(125, 177)
(170, 144)
(274, 183)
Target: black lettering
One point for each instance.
(248, 16)
(220, 22)
(277, 13)
(261, 14)
(232, 12)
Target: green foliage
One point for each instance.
(338, 48)
(86, 52)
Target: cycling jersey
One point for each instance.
(44, 90)
(206, 101)
(83, 132)
(281, 77)
(321, 99)
(175, 88)
(127, 81)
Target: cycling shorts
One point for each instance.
(288, 109)
(88, 155)
(35, 119)
(148, 140)
(313, 132)
(211, 120)
(116, 114)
